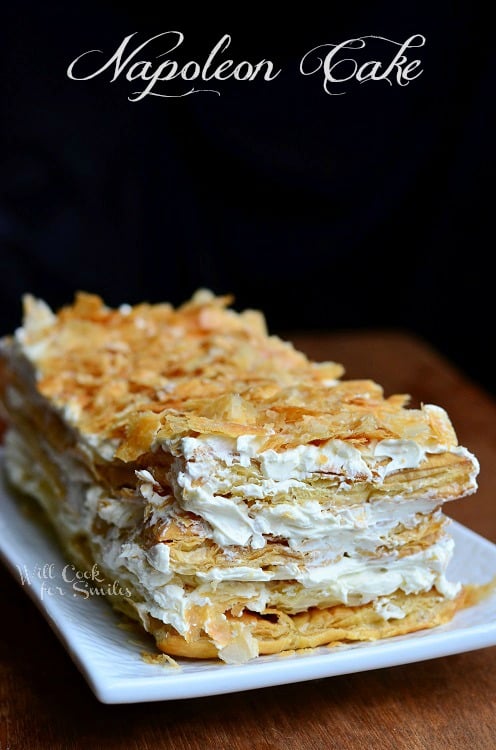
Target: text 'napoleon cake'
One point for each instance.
(249, 499)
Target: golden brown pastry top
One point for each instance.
(137, 374)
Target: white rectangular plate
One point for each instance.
(111, 660)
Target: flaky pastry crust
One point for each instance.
(110, 395)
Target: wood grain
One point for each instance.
(443, 703)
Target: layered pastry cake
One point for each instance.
(249, 500)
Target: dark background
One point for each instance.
(329, 212)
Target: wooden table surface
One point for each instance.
(442, 703)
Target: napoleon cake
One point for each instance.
(250, 500)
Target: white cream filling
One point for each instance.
(226, 482)
(435, 558)
(350, 580)
(387, 610)
(334, 456)
(306, 526)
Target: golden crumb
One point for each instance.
(160, 659)
(137, 376)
